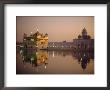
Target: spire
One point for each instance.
(84, 32)
(84, 29)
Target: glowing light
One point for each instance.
(32, 39)
(43, 59)
(21, 51)
(81, 59)
(36, 53)
(36, 46)
(32, 58)
(53, 55)
(45, 67)
(23, 57)
(21, 46)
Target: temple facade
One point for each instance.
(84, 42)
(36, 40)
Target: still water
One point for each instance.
(54, 62)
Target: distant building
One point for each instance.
(37, 40)
(84, 42)
(60, 45)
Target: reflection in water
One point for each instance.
(34, 57)
(83, 58)
(55, 62)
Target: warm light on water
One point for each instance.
(56, 62)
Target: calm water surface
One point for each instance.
(54, 62)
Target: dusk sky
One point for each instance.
(58, 28)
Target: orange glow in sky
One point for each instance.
(58, 28)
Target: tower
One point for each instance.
(84, 33)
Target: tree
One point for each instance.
(79, 37)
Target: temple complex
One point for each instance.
(38, 40)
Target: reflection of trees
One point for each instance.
(40, 57)
(35, 58)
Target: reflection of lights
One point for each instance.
(62, 46)
(31, 32)
(24, 39)
(53, 55)
(36, 53)
(23, 57)
(21, 46)
(81, 59)
(36, 46)
(32, 39)
(45, 67)
(53, 46)
(32, 58)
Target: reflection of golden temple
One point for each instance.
(35, 58)
(42, 57)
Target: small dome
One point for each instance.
(46, 34)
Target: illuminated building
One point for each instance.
(37, 40)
